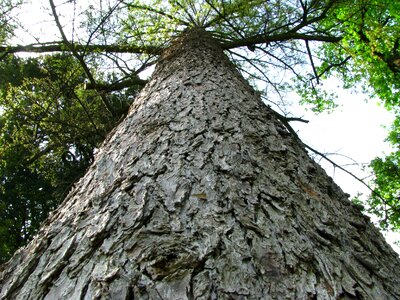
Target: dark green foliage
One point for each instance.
(385, 202)
(387, 186)
(7, 22)
(50, 127)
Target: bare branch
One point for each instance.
(285, 64)
(117, 86)
(61, 46)
(87, 113)
(103, 20)
(266, 78)
(151, 9)
(334, 65)
(79, 57)
(264, 39)
(226, 19)
(312, 61)
(295, 135)
(290, 119)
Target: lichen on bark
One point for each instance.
(201, 193)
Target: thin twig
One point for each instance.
(291, 130)
(151, 9)
(312, 61)
(79, 57)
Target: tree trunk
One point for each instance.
(201, 193)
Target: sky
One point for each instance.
(353, 133)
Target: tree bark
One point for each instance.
(201, 193)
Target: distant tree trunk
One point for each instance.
(201, 193)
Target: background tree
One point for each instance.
(6, 17)
(111, 42)
(50, 129)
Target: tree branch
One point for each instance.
(289, 119)
(286, 65)
(279, 38)
(102, 21)
(291, 130)
(79, 57)
(334, 65)
(151, 9)
(259, 70)
(373, 192)
(224, 18)
(312, 61)
(63, 46)
(106, 88)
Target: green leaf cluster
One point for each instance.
(385, 201)
(6, 18)
(370, 37)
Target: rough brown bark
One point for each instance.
(201, 193)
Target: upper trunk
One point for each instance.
(200, 193)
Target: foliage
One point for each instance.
(370, 37)
(6, 18)
(50, 128)
(385, 201)
(387, 182)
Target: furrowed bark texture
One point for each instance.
(200, 193)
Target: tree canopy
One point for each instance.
(58, 104)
